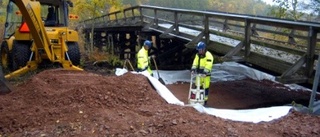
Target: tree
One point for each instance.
(314, 8)
(2, 17)
(90, 9)
(287, 9)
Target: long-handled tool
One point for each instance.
(4, 86)
(127, 61)
(160, 79)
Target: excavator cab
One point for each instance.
(51, 19)
(37, 30)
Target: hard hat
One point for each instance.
(147, 43)
(201, 45)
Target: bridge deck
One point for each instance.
(283, 47)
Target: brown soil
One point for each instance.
(80, 103)
(245, 94)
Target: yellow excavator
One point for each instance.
(37, 30)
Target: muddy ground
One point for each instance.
(57, 102)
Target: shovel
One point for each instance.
(4, 86)
(160, 79)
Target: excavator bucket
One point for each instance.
(4, 85)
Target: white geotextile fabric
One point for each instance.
(220, 72)
(162, 90)
(246, 115)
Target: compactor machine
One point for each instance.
(196, 90)
(37, 30)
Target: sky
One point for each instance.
(268, 2)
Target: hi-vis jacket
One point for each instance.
(143, 60)
(203, 65)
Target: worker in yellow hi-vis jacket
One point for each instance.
(203, 63)
(143, 59)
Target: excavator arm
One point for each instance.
(55, 46)
(31, 12)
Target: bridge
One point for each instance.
(285, 48)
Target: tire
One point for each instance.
(74, 53)
(21, 53)
(6, 57)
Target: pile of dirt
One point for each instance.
(78, 103)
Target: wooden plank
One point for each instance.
(235, 50)
(266, 62)
(166, 33)
(195, 40)
(294, 68)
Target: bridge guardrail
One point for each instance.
(293, 37)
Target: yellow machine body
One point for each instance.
(31, 37)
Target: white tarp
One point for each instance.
(246, 115)
(162, 90)
(227, 71)
(220, 72)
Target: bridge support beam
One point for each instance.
(247, 39)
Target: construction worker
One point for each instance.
(143, 59)
(51, 17)
(202, 64)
